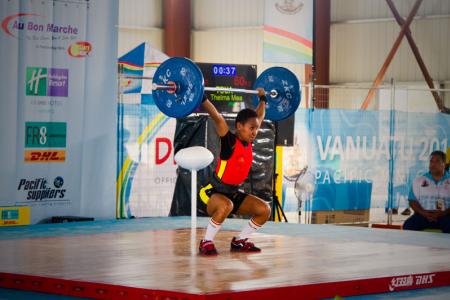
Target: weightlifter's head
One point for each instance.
(247, 125)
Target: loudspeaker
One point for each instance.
(65, 219)
(285, 132)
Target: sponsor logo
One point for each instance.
(33, 23)
(42, 156)
(41, 81)
(10, 24)
(38, 189)
(45, 134)
(58, 182)
(79, 49)
(14, 215)
(10, 222)
(10, 214)
(410, 281)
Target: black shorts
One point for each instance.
(237, 197)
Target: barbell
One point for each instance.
(178, 87)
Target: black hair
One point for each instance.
(244, 115)
(439, 154)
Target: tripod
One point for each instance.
(277, 209)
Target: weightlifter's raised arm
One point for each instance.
(261, 108)
(219, 120)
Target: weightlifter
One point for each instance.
(178, 87)
(222, 195)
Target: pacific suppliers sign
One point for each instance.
(35, 28)
(41, 190)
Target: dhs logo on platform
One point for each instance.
(39, 189)
(42, 81)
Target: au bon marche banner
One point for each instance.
(57, 152)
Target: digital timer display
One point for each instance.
(228, 75)
(224, 70)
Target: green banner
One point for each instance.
(45, 134)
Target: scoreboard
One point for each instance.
(231, 76)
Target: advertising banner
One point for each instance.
(146, 171)
(288, 31)
(356, 160)
(60, 62)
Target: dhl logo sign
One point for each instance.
(42, 156)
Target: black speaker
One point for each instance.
(66, 219)
(284, 135)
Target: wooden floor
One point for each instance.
(167, 260)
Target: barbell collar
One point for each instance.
(166, 87)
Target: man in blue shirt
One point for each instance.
(429, 197)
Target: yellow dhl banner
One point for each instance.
(40, 156)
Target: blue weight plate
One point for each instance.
(190, 85)
(286, 84)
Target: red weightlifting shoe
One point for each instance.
(207, 248)
(243, 246)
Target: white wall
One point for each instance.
(223, 31)
(231, 32)
(208, 14)
(358, 50)
(129, 38)
(239, 46)
(344, 10)
(362, 34)
(140, 21)
(364, 31)
(236, 46)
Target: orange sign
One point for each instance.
(39, 156)
(79, 49)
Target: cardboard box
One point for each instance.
(340, 216)
(14, 215)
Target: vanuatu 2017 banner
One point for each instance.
(57, 107)
(351, 159)
(288, 31)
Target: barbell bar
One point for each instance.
(172, 88)
(178, 87)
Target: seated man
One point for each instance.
(429, 197)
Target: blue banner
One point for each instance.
(350, 160)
